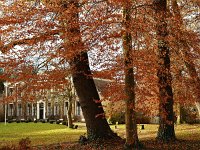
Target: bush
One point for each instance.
(58, 121)
(35, 121)
(18, 121)
(142, 119)
(64, 123)
(51, 121)
(22, 120)
(72, 126)
(82, 140)
(117, 117)
(76, 127)
(25, 144)
(120, 118)
(10, 121)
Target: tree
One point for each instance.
(66, 93)
(96, 123)
(72, 49)
(130, 113)
(166, 114)
(184, 49)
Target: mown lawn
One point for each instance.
(183, 131)
(38, 133)
(45, 133)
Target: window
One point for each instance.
(65, 108)
(19, 110)
(28, 109)
(78, 109)
(49, 109)
(34, 109)
(10, 110)
(11, 91)
(56, 109)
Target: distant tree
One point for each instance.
(184, 47)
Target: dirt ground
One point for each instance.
(119, 145)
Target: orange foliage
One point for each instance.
(37, 52)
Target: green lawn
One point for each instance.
(45, 133)
(39, 133)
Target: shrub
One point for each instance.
(82, 140)
(72, 126)
(117, 117)
(25, 144)
(58, 121)
(120, 118)
(64, 123)
(10, 121)
(142, 119)
(51, 121)
(22, 120)
(76, 126)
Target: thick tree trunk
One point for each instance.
(166, 123)
(130, 113)
(96, 123)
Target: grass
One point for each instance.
(45, 133)
(38, 133)
(183, 131)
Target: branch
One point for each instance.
(29, 41)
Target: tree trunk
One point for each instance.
(96, 123)
(69, 113)
(197, 104)
(166, 131)
(130, 113)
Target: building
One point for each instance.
(53, 105)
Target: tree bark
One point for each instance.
(69, 112)
(130, 113)
(96, 123)
(166, 131)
